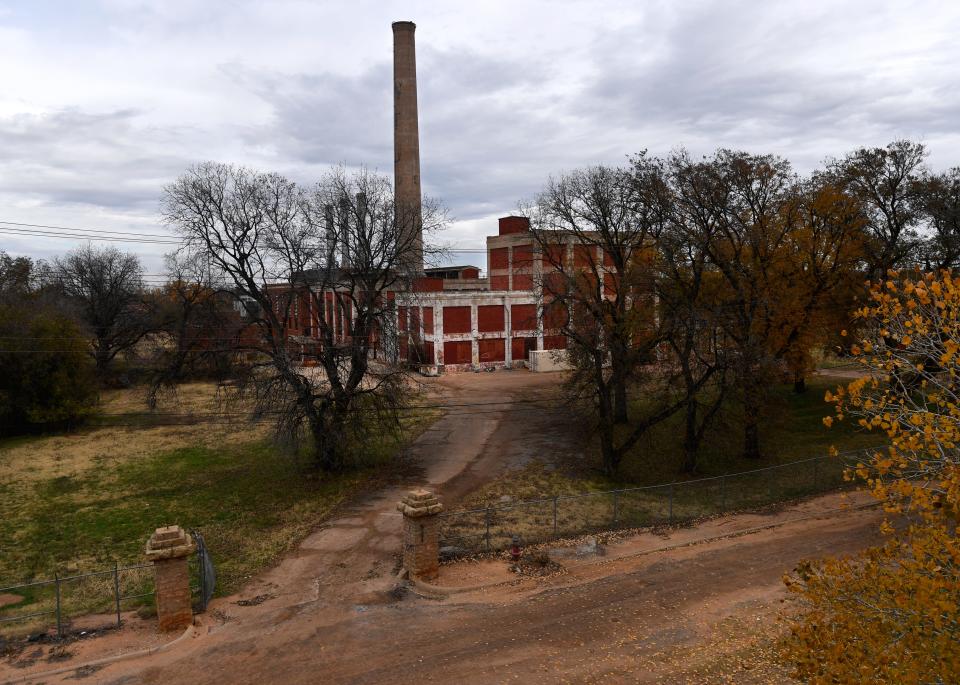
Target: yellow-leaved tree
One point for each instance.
(892, 614)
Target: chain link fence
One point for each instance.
(43, 604)
(40, 606)
(492, 528)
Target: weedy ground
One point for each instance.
(81, 501)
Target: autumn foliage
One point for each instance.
(892, 615)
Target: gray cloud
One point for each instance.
(92, 126)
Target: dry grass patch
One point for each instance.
(80, 502)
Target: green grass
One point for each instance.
(251, 502)
(792, 429)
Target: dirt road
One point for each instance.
(331, 614)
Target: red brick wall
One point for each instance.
(491, 350)
(522, 282)
(514, 224)
(554, 342)
(456, 320)
(490, 318)
(522, 257)
(425, 284)
(459, 352)
(470, 273)
(523, 317)
(498, 259)
(520, 348)
(428, 320)
(499, 283)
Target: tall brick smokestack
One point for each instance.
(406, 145)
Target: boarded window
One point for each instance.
(457, 352)
(491, 350)
(490, 318)
(456, 320)
(520, 348)
(522, 257)
(554, 256)
(554, 315)
(583, 255)
(428, 320)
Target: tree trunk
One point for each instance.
(799, 384)
(751, 431)
(691, 439)
(611, 460)
(620, 401)
(608, 452)
(102, 358)
(618, 380)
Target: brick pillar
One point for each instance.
(421, 534)
(168, 549)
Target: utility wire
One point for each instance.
(52, 231)
(87, 230)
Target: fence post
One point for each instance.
(487, 518)
(56, 580)
(555, 498)
(816, 463)
(616, 508)
(723, 493)
(116, 588)
(671, 503)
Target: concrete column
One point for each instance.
(168, 549)
(438, 333)
(474, 332)
(507, 335)
(421, 534)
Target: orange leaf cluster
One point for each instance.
(892, 615)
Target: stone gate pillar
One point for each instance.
(421, 534)
(168, 549)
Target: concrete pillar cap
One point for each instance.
(419, 503)
(169, 542)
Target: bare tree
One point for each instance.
(940, 201)
(688, 302)
(734, 204)
(277, 244)
(596, 230)
(106, 287)
(885, 181)
(201, 324)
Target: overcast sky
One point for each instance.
(103, 102)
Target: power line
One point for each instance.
(55, 231)
(50, 234)
(86, 230)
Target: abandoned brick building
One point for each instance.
(451, 318)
